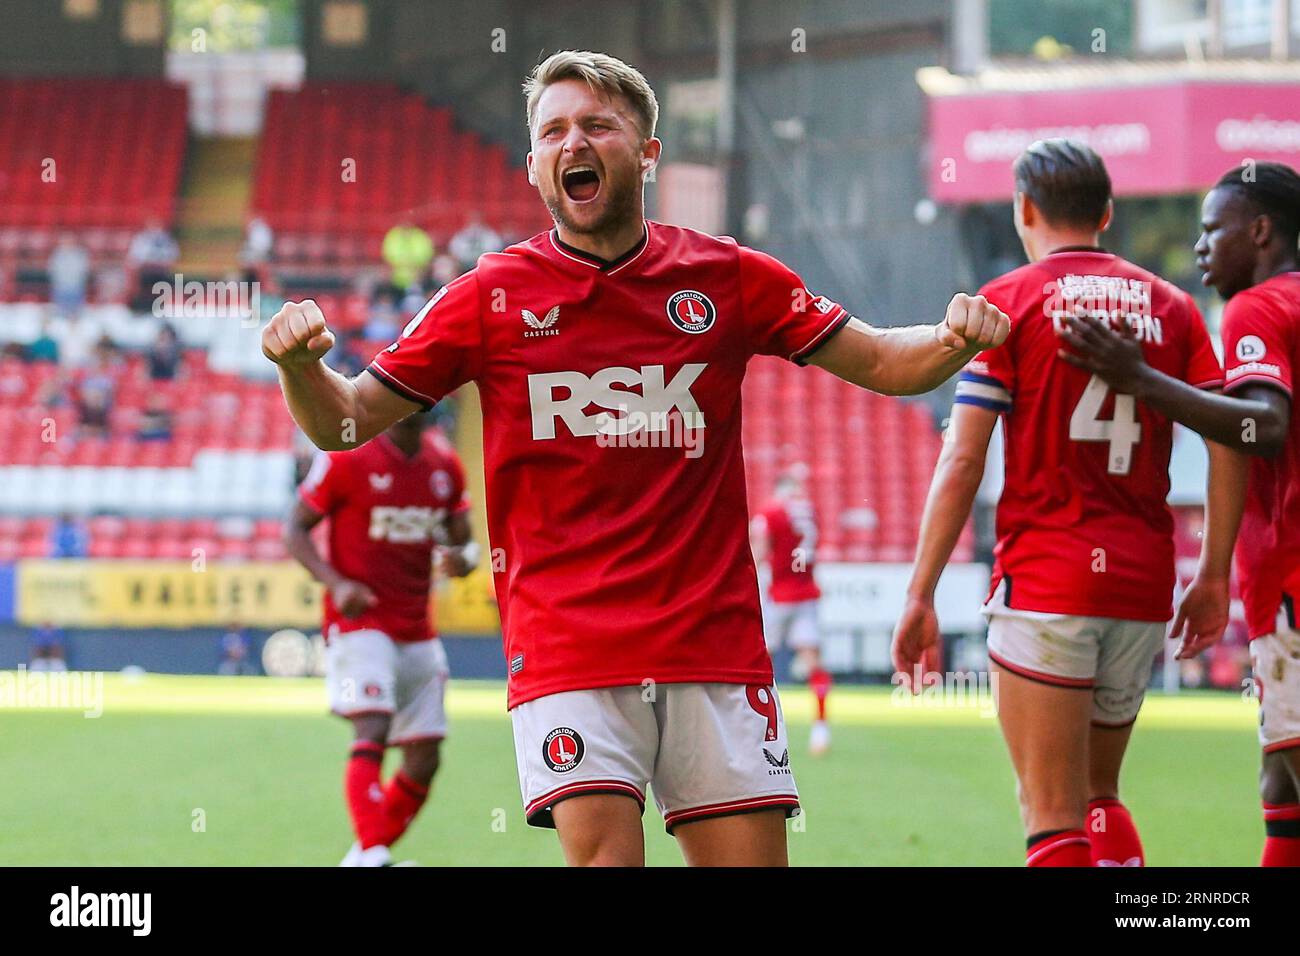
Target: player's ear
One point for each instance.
(532, 173)
(1107, 216)
(1261, 230)
(1019, 211)
(651, 150)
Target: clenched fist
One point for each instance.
(296, 335)
(972, 324)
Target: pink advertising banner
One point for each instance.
(1171, 138)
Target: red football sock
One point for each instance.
(1058, 848)
(365, 796)
(819, 682)
(403, 798)
(1113, 835)
(1282, 834)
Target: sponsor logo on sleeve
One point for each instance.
(1250, 348)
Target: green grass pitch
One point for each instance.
(210, 771)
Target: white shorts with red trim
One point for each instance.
(1108, 656)
(707, 749)
(369, 672)
(790, 624)
(1275, 663)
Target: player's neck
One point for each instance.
(1043, 244)
(1275, 263)
(407, 447)
(605, 245)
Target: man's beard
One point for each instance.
(620, 209)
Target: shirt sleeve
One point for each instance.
(1256, 344)
(440, 349)
(1203, 368)
(325, 486)
(781, 316)
(989, 380)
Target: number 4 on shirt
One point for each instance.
(1122, 431)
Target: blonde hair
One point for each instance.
(604, 74)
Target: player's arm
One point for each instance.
(758, 539)
(1254, 420)
(915, 359)
(957, 478)
(335, 412)
(1203, 613)
(460, 555)
(350, 597)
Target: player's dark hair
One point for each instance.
(1066, 180)
(1273, 190)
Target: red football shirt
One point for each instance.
(611, 426)
(791, 528)
(1261, 346)
(386, 512)
(1083, 527)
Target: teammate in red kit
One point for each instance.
(1250, 225)
(390, 506)
(1084, 564)
(609, 354)
(784, 536)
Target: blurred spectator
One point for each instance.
(94, 388)
(47, 649)
(152, 254)
(474, 239)
(69, 538)
(155, 419)
(69, 271)
(408, 250)
(45, 348)
(382, 324)
(445, 270)
(259, 240)
(234, 653)
(164, 355)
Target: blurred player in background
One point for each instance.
(784, 537)
(1250, 226)
(391, 505)
(628, 594)
(1084, 564)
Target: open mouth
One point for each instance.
(581, 183)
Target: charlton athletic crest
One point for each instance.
(691, 311)
(563, 749)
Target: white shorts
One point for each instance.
(790, 624)
(1275, 662)
(367, 672)
(1106, 655)
(708, 749)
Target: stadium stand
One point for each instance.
(105, 185)
(409, 158)
(871, 458)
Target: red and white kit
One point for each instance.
(623, 557)
(790, 608)
(1085, 547)
(385, 514)
(1261, 346)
